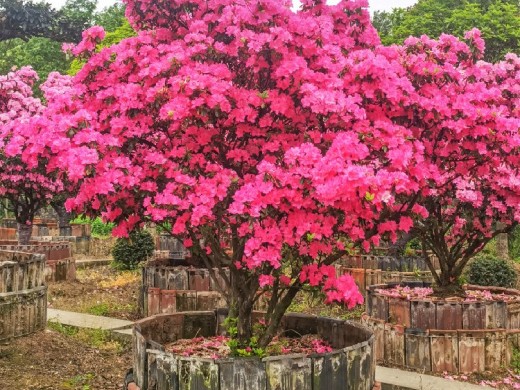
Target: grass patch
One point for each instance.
(96, 338)
(311, 302)
(82, 382)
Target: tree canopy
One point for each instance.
(498, 21)
(26, 19)
(274, 142)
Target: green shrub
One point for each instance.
(101, 229)
(129, 252)
(98, 227)
(487, 270)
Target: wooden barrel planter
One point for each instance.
(7, 233)
(170, 289)
(368, 270)
(59, 264)
(438, 335)
(350, 366)
(23, 294)
(168, 247)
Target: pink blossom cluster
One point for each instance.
(24, 178)
(321, 346)
(486, 295)
(90, 39)
(511, 381)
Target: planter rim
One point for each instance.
(137, 327)
(438, 300)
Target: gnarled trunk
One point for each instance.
(64, 218)
(242, 295)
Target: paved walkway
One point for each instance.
(388, 376)
(82, 320)
(415, 381)
(87, 263)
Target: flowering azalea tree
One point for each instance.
(28, 187)
(239, 126)
(466, 114)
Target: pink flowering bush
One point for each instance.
(466, 116)
(28, 187)
(272, 142)
(232, 123)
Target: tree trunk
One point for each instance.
(24, 233)
(448, 283)
(502, 246)
(243, 290)
(64, 219)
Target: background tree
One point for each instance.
(27, 188)
(498, 20)
(45, 54)
(111, 18)
(26, 19)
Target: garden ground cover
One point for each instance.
(64, 358)
(101, 291)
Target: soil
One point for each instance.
(51, 360)
(100, 291)
(217, 347)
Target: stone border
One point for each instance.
(23, 295)
(350, 366)
(437, 335)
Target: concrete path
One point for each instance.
(391, 378)
(82, 320)
(415, 381)
(87, 263)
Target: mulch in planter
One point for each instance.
(217, 347)
(469, 295)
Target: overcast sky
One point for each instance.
(375, 5)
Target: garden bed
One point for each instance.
(458, 335)
(23, 306)
(59, 264)
(368, 270)
(169, 289)
(63, 359)
(100, 290)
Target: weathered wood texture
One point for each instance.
(436, 335)
(365, 277)
(388, 263)
(59, 265)
(23, 298)
(350, 366)
(169, 289)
